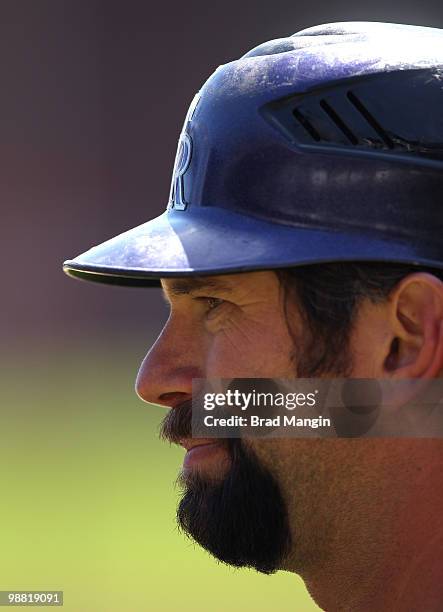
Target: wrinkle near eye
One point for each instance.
(232, 324)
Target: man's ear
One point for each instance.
(416, 323)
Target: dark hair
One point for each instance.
(328, 296)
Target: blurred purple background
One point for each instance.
(93, 96)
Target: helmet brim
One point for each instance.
(213, 241)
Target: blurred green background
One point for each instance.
(89, 500)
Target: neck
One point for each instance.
(381, 547)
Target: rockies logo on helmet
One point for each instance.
(177, 199)
(182, 160)
(294, 156)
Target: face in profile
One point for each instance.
(232, 504)
(269, 503)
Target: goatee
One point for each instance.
(242, 519)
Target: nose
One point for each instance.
(166, 373)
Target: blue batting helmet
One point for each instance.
(323, 146)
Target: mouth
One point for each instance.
(204, 453)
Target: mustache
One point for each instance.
(177, 424)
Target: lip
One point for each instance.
(202, 451)
(190, 443)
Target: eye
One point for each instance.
(211, 302)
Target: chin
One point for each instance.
(212, 473)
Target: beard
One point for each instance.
(241, 519)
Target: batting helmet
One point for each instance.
(323, 146)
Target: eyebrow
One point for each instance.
(185, 286)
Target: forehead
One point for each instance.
(227, 283)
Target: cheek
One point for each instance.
(241, 347)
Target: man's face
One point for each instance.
(244, 500)
(232, 328)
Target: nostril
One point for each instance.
(174, 398)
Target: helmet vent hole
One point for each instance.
(370, 119)
(338, 122)
(379, 116)
(306, 124)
